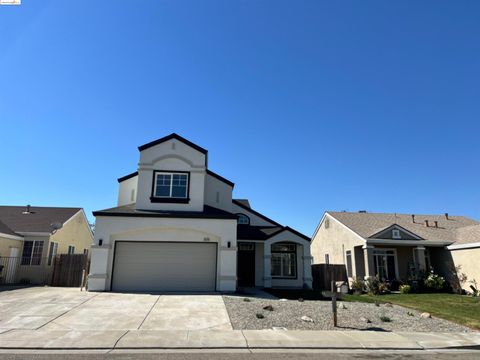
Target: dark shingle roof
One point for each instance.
(249, 232)
(208, 212)
(38, 220)
(369, 224)
(4, 229)
(244, 202)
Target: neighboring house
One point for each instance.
(31, 236)
(396, 246)
(177, 228)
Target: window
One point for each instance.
(71, 249)
(327, 223)
(85, 251)
(32, 252)
(246, 246)
(327, 259)
(384, 264)
(52, 252)
(243, 219)
(170, 185)
(348, 256)
(396, 234)
(284, 263)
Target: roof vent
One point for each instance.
(446, 216)
(436, 224)
(27, 210)
(413, 218)
(362, 211)
(426, 223)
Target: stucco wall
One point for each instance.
(469, 260)
(76, 232)
(127, 191)
(334, 241)
(218, 194)
(6, 244)
(111, 229)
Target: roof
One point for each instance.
(169, 137)
(468, 235)
(209, 212)
(4, 229)
(241, 203)
(126, 177)
(244, 202)
(221, 178)
(38, 220)
(251, 232)
(368, 224)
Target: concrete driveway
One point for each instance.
(50, 308)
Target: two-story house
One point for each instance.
(177, 228)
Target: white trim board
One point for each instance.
(464, 246)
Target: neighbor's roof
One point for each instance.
(4, 229)
(369, 224)
(40, 219)
(173, 136)
(208, 212)
(468, 234)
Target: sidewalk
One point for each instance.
(234, 339)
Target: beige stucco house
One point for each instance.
(177, 228)
(31, 236)
(395, 246)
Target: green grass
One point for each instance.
(463, 310)
(295, 294)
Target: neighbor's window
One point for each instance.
(85, 251)
(32, 252)
(396, 234)
(348, 256)
(327, 259)
(52, 252)
(71, 249)
(171, 185)
(284, 263)
(243, 219)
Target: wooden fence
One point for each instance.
(323, 274)
(69, 269)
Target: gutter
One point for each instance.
(408, 242)
(464, 246)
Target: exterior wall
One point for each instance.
(111, 229)
(127, 191)
(388, 234)
(34, 274)
(335, 241)
(176, 156)
(298, 282)
(254, 219)
(6, 244)
(218, 194)
(75, 232)
(468, 259)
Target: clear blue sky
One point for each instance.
(306, 105)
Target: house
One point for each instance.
(177, 228)
(396, 246)
(31, 236)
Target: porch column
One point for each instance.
(368, 259)
(420, 258)
(267, 266)
(307, 267)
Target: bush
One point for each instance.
(434, 281)
(384, 318)
(405, 289)
(357, 285)
(259, 315)
(376, 287)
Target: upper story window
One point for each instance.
(243, 219)
(170, 186)
(396, 234)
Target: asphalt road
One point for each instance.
(325, 355)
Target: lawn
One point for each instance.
(460, 309)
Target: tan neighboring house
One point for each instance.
(396, 246)
(30, 237)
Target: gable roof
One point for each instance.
(241, 204)
(38, 220)
(251, 232)
(221, 178)
(4, 229)
(368, 224)
(244, 202)
(169, 137)
(126, 177)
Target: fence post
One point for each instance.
(334, 302)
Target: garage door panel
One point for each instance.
(162, 266)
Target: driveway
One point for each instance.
(50, 308)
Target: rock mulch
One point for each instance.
(351, 316)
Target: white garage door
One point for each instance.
(164, 266)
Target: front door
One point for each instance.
(246, 264)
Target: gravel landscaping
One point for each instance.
(351, 316)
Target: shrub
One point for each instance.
(259, 316)
(357, 285)
(384, 318)
(434, 281)
(405, 289)
(376, 287)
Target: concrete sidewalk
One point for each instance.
(234, 339)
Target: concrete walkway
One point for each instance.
(233, 339)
